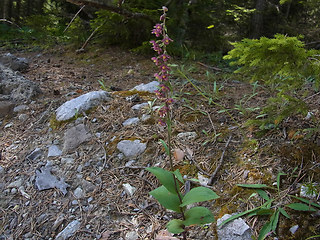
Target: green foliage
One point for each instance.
(170, 197)
(283, 64)
(274, 207)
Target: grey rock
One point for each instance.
(45, 180)
(9, 125)
(69, 230)
(20, 108)
(132, 236)
(87, 186)
(14, 191)
(294, 228)
(75, 202)
(13, 62)
(149, 87)
(130, 121)
(16, 86)
(23, 117)
(234, 230)
(1, 170)
(80, 104)
(54, 151)
(130, 190)
(16, 184)
(6, 108)
(78, 193)
(67, 160)
(74, 136)
(131, 148)
(139, 106)
(145, 117)
(34, 155)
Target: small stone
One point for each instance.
(133, 98)
(293, 229)
(131, 121)
(202, 179)
(1, 170)
(14, 191)
(54, 151)
(16, 184)
(78, 193)
(90, 199)
(23, 117)
(67, 160)
(20, 108)
(139, 106)
(132, 236)
(98, 135)
(75, 136)
(69, 230)
(34, 155)
(130, 190)
(131, 148)
(149, 87)
(74, 202)
(145, 117)
(9, 125)
(79, 168)
(234, 230)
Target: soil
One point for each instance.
(107, 211)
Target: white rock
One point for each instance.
(234, 230)
(69, 230)
(54, 151)
(130, 190)
(131, 148)
(149, 87)
(187, 136)
(139, 106)
(132, 236)
(145, 117)
(20, 108)
(130, 121)
(80, 104)
(78, 193)
(293, 229)
(202, 179)
(68, 161)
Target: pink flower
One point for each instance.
(164, 68)
(157, 30)
(157, 76)
(161, 122)
(165, 57)
(166, 40)
(155, 60)
(156, 47)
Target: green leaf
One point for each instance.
(198, 194)
(178, 175)
(284, 213)
(253, 185)
(263, 194)
(165, 146)
(239, 215)
(278, 179)
(165, 177)
(264, 231)
(198, 215)
(265, 211)
(301, 207)
(307, 201)
(175, 226)
(274, 220)
(167, 199)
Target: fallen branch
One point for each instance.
(12, 23)
(120, 10)
(73, 18)
(212, 178)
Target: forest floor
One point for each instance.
(249, 157)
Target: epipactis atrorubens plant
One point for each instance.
(169, 194)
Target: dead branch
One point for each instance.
(212, 178)
(12, 23)
(73, 18)
(103, 5)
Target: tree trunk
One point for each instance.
(257, 19)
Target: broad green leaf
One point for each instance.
(198, 194)
(165, 146)
(301, 207)
(198, 215)
(263, 194)
(264, 231)
(253, 185)
(284, 213)
(178, 175)
(175, 226)
(167, 199)
(307, 201)
(278, 179)
(165, 177)
(265, 211)
(238, 215)
(274, 220)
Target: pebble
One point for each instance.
(23, 117)
(130, 190)
(131, 148)
(14, 191)
(1, 170)
(187, 136)
(78, 193)
(294, 228)
(54, 151)
(132, 236)
(130, 121)
(8, 125)
(139, 106)
(69, 230)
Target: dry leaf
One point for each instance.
(178, 154)
(165, 235)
